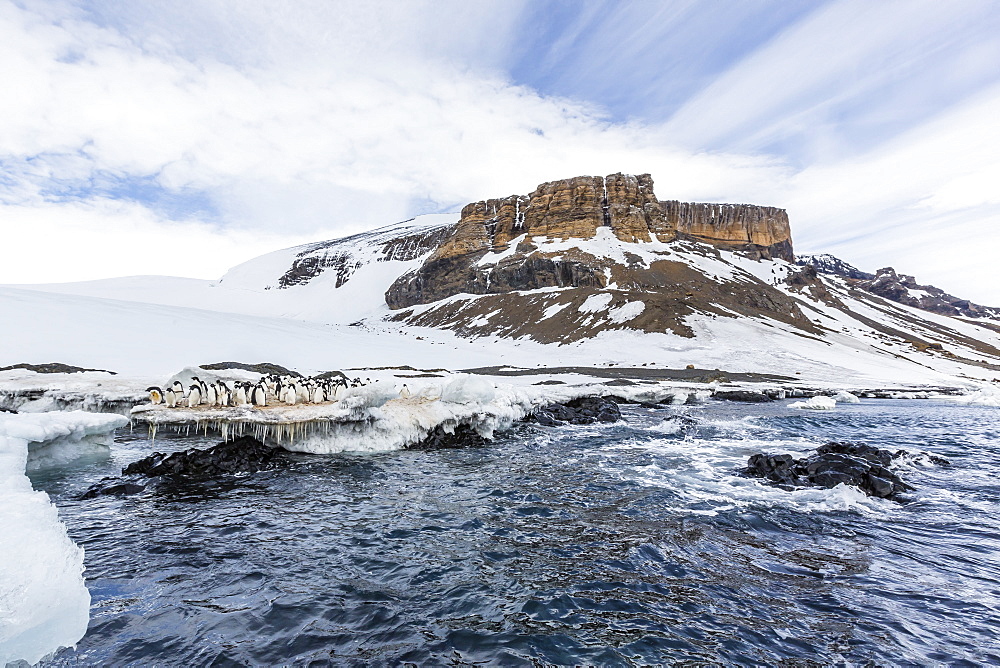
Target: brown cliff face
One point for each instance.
(577, 208)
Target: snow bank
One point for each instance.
(818, 403)
(44, 603)
(844, 397)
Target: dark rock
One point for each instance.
(263, 368)
(585, 410)
(856, 464)
(244, 455)
(463, 436)
(53, 367)
(749, 396)
(123, 488)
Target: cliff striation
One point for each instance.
(517, 229)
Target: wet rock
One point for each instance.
(463, 436)
(749, 396)
(116, 488)
(856, 464)
(585, 410)
(244, 455)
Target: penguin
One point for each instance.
(155, 395)
(240, 394)
(201, 384)
(405, 392)
(289, 395)
(301, 394)
(194, 396)
(225, 396)
(259, 395)
(170, 397)
(318, 395)
(212, 395)
(178, 388)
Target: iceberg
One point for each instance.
(44, 602)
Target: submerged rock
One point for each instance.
(856, 464)
(244, 455)
(463, 436)
(585, 410)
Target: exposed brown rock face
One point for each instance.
(576, 209)
(762, 231)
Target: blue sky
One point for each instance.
(203, 132)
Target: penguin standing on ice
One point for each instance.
(170, 397)
(194, 396)
(318, 395)
(259, 395)
(155, 395)
(212, 395)
(178, 389)
(240, 397)
(405, 392)
(289, 394)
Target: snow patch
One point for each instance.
(626, 312)
(595, 303)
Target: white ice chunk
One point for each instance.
(819, 403)
(844, 397)
(44, 603)
(626, 312)
(596, 303)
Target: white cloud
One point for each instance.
(337, 117)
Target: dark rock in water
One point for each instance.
(585, 410)
(856, 464)
(244, 455)
(749, 396)
(463, 436)
(120, 488)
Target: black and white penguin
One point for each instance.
(318, 395)
(259, 395)
(194, 396)
(212, 395)
(170, 397)
(155, 395)
(289, 394)
(201, 384)
(405, 392)
(301, 393)
(240, 397)
(178, 389)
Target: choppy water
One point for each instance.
(613, 545)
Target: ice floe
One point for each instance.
(44, 603)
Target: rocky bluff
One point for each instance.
(578, 209)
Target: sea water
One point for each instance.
(624, 544)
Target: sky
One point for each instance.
(182, 137)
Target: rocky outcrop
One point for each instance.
(824, 263)
(760, 231)
(855, 464)
(339, 256)
(515, 228)
(900, 288)
(585, 410)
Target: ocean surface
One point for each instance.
(623, 544)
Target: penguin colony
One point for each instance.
(269, 390)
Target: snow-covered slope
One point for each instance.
(321, 307)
